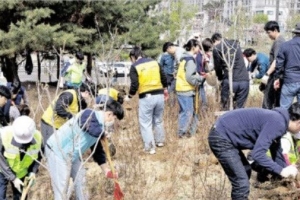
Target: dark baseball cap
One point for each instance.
(167, 45)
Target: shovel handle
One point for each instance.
(27, 185)
(104, 142)
(196, 103)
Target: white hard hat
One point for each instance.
(23, 129)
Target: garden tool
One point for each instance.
(195, 119)
(196, 103)
(118, 194)
(28, 183)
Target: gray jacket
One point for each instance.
(191, 75)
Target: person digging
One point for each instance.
(20, 146)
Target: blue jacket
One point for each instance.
(167, 63)
(20, 95)
(262, 64)
(288, 61)
(257, 129)
(77, 135)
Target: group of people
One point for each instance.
(270, 132)
(69, 127)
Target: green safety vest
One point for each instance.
(12, 153)
(75, 73)
(293, 154)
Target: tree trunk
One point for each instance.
(10, 69)
(58, 66)
(28, 63)
(89, 64)
(230, 79)
(39, 65)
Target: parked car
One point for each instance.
(121, 67)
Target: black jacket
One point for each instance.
(233, 48)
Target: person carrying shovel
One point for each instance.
(20, 146)
(64, 149)
(187, 84)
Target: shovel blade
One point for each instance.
(118, 194)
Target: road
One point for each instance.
(49, 75)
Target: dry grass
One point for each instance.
(183, 169)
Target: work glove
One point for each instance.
(18, 184)
(110, 175)
(31, 178)
(290, 170)
(253, 75)
(265, 79)
(126, 98)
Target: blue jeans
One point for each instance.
(288, 92)
(234, 163)
(151, 109)
(60, 172)
(202, 95)
(70, 85)
(186, 117)
(3, 187)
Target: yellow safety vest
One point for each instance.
(12, 153)
(51, 118)
(113, 93)
(181, 84)
(74, 73)
(149, 76)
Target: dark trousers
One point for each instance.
(233, 162)
(271, 96)
(46, 131)
(240, 90)
(3, 187)
(171, 82)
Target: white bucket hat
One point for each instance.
(23, 129)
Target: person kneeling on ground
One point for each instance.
(20, 146)
(64, 149)
(256, 129)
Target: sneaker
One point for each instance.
(151, 151)
(160, 144)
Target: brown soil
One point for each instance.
(181, 170)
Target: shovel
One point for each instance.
(26, 188)
(118, 194)
(195, 119)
